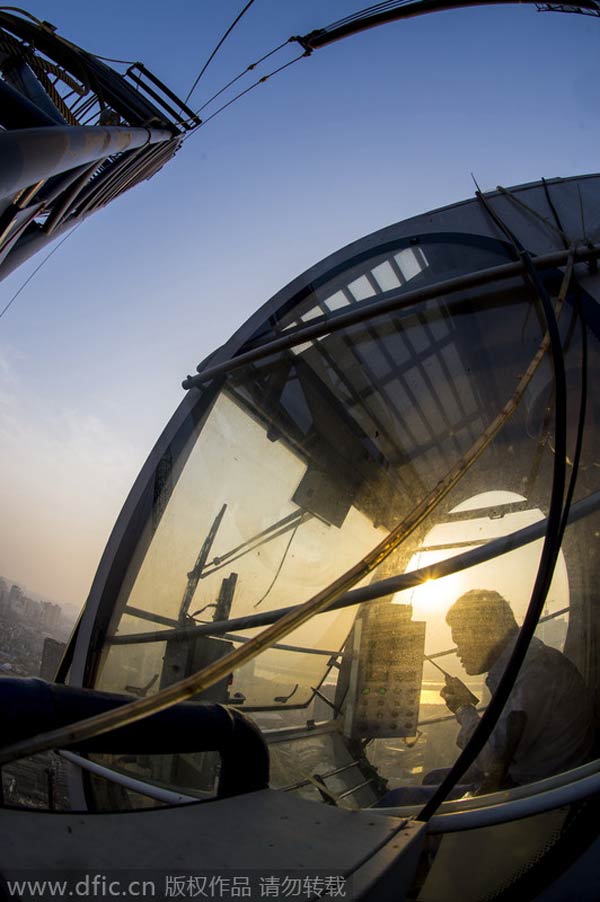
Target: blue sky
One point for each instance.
(369, 131)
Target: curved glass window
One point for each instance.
(287, 471)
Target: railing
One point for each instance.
(510, 805)
(131, 783)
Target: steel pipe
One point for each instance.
(507, 804)
(516, 809)
(379, 589)
(29, 155)
(146, 789)
(352, 25)
(388, 302)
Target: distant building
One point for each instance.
(15, 598)
(30, 609)
(3, 596)
(50, 615)
(52, 653)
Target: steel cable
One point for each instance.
(247, 91)
(215, 51)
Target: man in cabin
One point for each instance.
(547, 723)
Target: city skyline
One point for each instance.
(372, 130)
(36, 596)
(11, 592)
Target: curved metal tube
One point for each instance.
(514, 810)
(197, 682)
(400, 583)
(501, 796)
(557, 519)
(388, 301)
(358, 22)
(139, 786)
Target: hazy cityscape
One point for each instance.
(33, 634)
(25, 624)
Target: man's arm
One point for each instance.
(497, 754)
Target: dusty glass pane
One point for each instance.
(301, 464)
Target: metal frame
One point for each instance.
(131, 783)
(35, 154)
(382, 14)
(130, 525)
(390, 301)
(379, 589)
(465, 219)
(128, 529)
(537, 801)
(75, 133)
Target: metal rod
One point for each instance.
(193, 576)
(443, 718)
(29, 155)
(271, 532)
(330, 773)
(427, 658)
(67, 201)
(358, 786)
(514, 810)
(146, 789)
(321, 601)
(354, 24)
(124, 169)
(318, 603)
(166, 90)
(340, 770)
(558, 511)
(289, 734)
(389, 300)
(232, 637)
(90, 193)
(146, 162)
(476, 803)
(327, 701)
(225, 560)
(393, 584)
(150, 615)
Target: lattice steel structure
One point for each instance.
(76, 134)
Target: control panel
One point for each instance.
(386, 672)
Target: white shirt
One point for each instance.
(559, 727)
